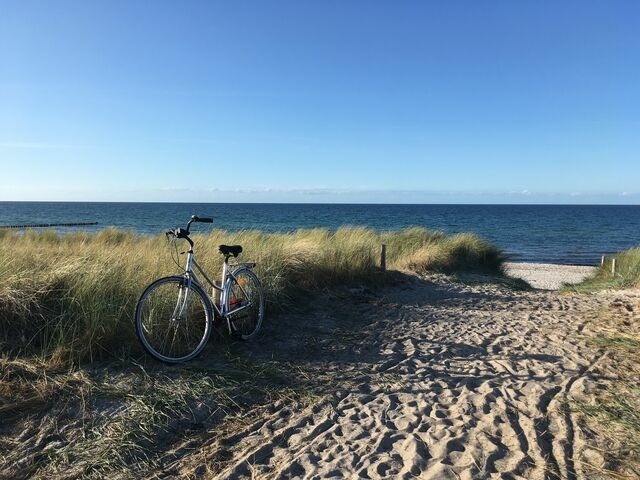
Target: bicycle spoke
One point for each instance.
(172, 320)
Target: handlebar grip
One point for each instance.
(203, 219)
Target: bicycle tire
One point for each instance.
(243, 293)
(163, 314)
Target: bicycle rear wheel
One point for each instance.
(244, 303)
(173, 320)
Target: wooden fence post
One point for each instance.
(613, 267)
(383, 258)
(602, 261)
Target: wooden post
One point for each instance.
(602, 261)
(613, 267)
(383, 258)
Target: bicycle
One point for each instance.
(175, 314)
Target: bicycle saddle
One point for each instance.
(233, 250)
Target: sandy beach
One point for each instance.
(438, 380)
(548, 276)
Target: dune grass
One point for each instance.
(627, 273)
(73, 296)
(614, 411)
(615, 416)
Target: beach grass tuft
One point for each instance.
(625, 275)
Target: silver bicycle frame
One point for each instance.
(227, 276)
(223, 301)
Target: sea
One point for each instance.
(567, 234)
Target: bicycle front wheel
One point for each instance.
(173, 319)
(244, 303)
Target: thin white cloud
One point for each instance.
(174, 189)
(40, 146)
(316, 191)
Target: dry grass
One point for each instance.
(115, 422)
(73, 296)
(614, 412)
(626, 275)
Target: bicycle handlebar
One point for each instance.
(195, 218)
(184, 233)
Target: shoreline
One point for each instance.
(548, 276)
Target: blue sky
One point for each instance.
(328, 101)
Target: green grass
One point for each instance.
(623, 411)
(627, 274)
(619, 409)
(619, 342)
(73, 296)
(615, 416)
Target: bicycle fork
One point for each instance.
(183, 294)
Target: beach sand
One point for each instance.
(432, 379)
(548, 276)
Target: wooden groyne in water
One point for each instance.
(46, 225)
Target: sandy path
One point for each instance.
(434, 380)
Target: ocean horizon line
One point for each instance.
(493, 204)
